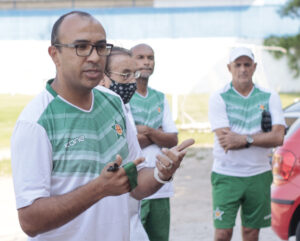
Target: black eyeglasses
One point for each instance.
(127, 76)
(86, 49)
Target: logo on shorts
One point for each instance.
(267, 217)
(218, 214)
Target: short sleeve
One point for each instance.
(168, 123)
(217, 112)
(31, 162)
(132, 141)
(276, 110)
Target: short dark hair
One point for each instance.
(116, 51)
(55, 29)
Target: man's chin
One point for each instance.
(145, 75)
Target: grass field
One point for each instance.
(10, 108)
(195, 106)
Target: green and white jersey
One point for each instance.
(148, 110)
(153, 110)
(228, 108)
(58, 147)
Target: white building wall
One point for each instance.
(182, 65)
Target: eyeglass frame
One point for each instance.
(136, 74)
(76, 45)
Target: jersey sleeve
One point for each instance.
(31, 163)
(132, 141)
(168, 124)
(217, 112)
(276, 110)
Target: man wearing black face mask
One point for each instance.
(120, 77)
(120, 73)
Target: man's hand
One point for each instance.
(169, 162)
(142, 129)
(114, 180)
(230, 140)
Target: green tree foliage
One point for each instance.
(291, 9)
(290, 43)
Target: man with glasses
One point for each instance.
(120, 77)
(120, 73)
(156, 130)
(70, 141)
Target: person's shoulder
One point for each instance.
(151, 90)
(266, 90)
(36, 107)
(217, 93)
(107, 92)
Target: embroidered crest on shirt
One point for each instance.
(158, 109)
(218, 214)
(118, 129)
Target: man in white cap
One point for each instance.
(241, 173)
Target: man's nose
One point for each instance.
(243, 68)
(147, 62)
(94, 56)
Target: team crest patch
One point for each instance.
(218, 214)
(158, 109)
(262, 107)
(118, 129)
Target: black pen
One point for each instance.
(113, 168)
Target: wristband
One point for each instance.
(157, 178)
(131, 173)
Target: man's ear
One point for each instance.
(255, 64)
(52, 51)
(229, 67)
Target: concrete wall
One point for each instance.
(191, 44)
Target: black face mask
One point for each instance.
(125, 90)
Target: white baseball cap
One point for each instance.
(238, 52)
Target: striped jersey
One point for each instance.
(58, 147)
(153, 110)
(148, 110)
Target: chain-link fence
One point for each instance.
(46, 4)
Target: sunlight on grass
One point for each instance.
(10, 108)
(5, 167)
(195, 105)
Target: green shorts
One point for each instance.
(253, 194)
(155, 216)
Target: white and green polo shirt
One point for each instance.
(228, 108)
(58, 147)
(153, 110)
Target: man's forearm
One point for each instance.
(163, 139)
(45, 214)
(144, 141)
(147, 185)
(166, 166)
(232, 141)
(273, 138)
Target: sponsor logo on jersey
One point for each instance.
(74, 141)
